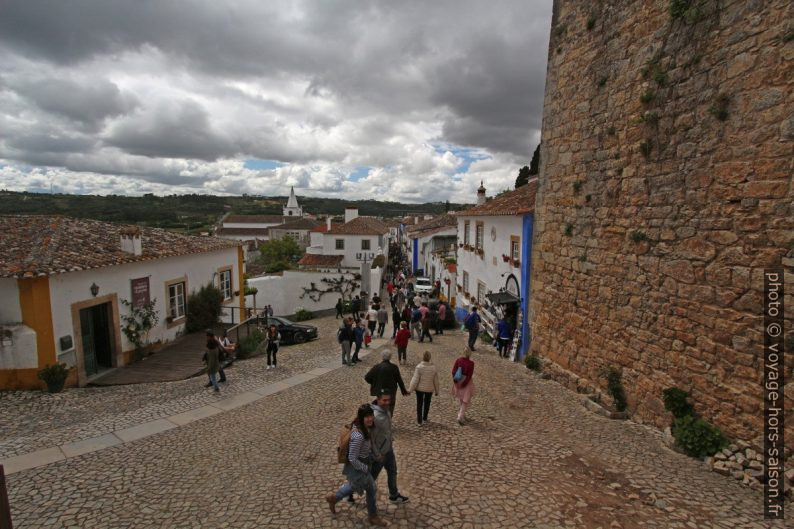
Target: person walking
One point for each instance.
(358, 467)
(442, 315)
(416, 323)
(425, 327)
(221, 355)
(358, 331)
(212, 361)
(503, 335)
(396, 318)
(383, 319)
(273, 339)
(401, 341)
(355, 307)
(372, 319)
(340, 306)
(424, 383)
(346, 337)
(462, 383)
(383, 445)
(230, 347)
(385, 375)
(472, 324)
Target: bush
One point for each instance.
(615, 389)
(302, 314)
(248, 346)
(675, 401)
(697, 437)
(203, 308)
(533, 362)
(54, 376)
(486, 338)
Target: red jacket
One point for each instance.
(401, 340)
(468, 370)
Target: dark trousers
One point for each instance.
(272, 349)
(425, 332)
(355, 352)
(339, 314)
(371, 325)
(502, 345)
(422, 405)
(221, 373)
(396, 328)
(381, 328)
(472, 338)
(390, 464)
(439, 326)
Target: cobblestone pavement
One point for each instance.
(531, 456)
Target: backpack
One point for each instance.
(470, 322)
(416, 315)
(343, 447)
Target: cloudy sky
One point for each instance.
(406, 100)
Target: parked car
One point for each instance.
(423, 284)
(292, 332)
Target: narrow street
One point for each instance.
(531, 456)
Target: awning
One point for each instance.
(502, 298)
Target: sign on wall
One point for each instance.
(140, 291)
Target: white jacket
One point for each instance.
(425, 378)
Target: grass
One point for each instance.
(646, 146)
(577, 186)
(639, 236)
(647, 96)
(651, 118)
(591, 21)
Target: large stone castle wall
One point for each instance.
(665, 191)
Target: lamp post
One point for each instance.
(365, 258)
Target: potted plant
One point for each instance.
(54, 376)
(480, 251)
(460, 245)
(505, 258)
(516, 263)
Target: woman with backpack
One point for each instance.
(273, 339)
(462, 384)
(358, 465)
(425, 383)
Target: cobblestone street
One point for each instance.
(530, 456)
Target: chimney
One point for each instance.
(328, 222)
(416, 219)
(481, 195)
(351, 213)
(131, 240)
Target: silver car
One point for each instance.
(423, 284)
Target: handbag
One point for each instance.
(458, 376)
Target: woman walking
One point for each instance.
(401, 341)
(273, 339)
(359, 331)
(425, 383)
(358, 467)
(213, 362)
(462, 384)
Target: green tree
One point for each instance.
(279, 254)
(534, 165)
(523, 177)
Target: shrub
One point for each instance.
(675, 401)
(577, 186)
(611, 131)
(54, 375)
(719, 109)
(203, 308)
(248, 346)
(689, 10)
(302, 314)
(651, 118)
(646, 146)
(638, 236)
(569, 230)
(486, 338)
(697, 437)
(615, 388)
(647, 96)
(533, 362)
(591, 23)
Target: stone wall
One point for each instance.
(665, 191)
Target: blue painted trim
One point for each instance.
(526, 268)
(416, 255)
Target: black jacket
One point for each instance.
(384, 375)
(346, 334)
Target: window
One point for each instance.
(465, 281)
(340, 244)
(478, 242)
(466, 232)
(225, 284)
(515, 248)
(176, 300)
(480, 292)
(365, 244)
(294, 235)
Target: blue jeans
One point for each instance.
(472, 338)
(214, 382)
(347, 489)
(390, 464)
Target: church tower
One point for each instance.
(293, 209)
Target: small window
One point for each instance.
(176, 300)
(340, 244)
(466, 238)
(226, 284)
(480, 235)
(365, 244)
(515, 248)
(465, 281)
(481, 292)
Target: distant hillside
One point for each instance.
(192, 213)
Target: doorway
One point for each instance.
(97, 338)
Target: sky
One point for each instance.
(408, 100)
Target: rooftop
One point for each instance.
(430, 226)
(252, 232)
(297, 224)
(313, 259)
(361, 226)
(42, 245)
(254, 219)
(518, 202)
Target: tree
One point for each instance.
(534, 165)
(523, 177)
(279, 254)
(203, 308)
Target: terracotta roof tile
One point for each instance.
(254, 219)
(324, 228)
(430, 226)
(517, 202)
(253, 232)
(313, 259)
(297, 224)
(40, 245)
(361, 226)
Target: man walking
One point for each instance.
(339, 308)
(382, 444)
(346, 337)
(472, 324)
(385, 376)
(383, 319)
(442, 315)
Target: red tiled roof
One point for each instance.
(452, 268)
(41, 245)
(517, 202)
(253, 232)
(254, 219)
(297, 224)
(313, 259)
(324, 228)
(361, 226)
(431, 225)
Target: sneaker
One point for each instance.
(351, 499)
(268, 367)
(208, 385)
(398, 499)
(217, 390)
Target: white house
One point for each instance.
(255, 229)
(435, 235)
(358, 240)
(493, 265)
(64, 282)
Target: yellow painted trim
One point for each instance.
(34, 300)
(26, 379)
(241, 280)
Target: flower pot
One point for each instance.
(55, 386)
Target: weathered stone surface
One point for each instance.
(707, 204)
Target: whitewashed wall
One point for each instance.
(22, 352)
(353, 246)
(283, 292)
(10, 311)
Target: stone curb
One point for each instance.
(80, 447)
